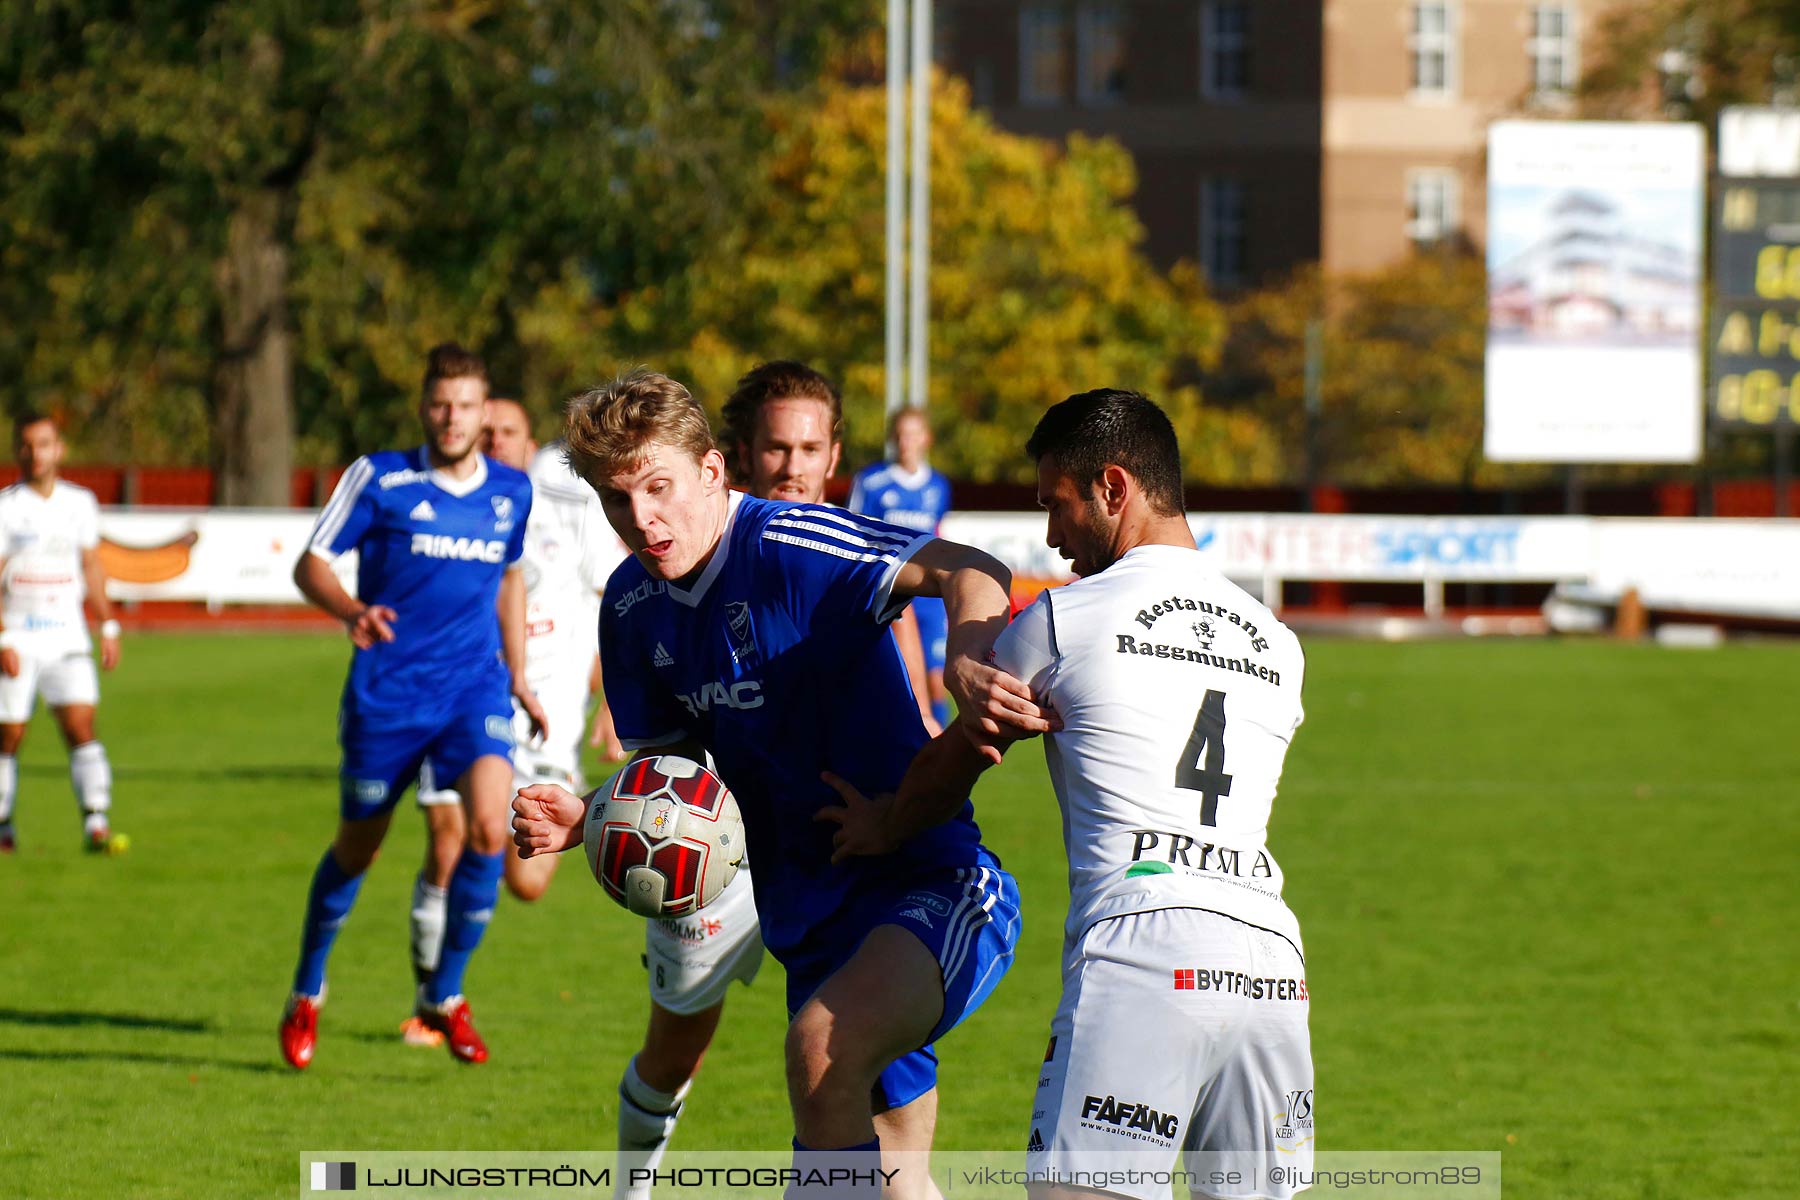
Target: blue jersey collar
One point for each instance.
(693, 596)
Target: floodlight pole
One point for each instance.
(896, 202)
(918, 368)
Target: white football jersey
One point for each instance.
(1179, 694)
(42, 539)
(570, 550)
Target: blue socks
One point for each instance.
(327, 904)
(474, 889)
(846, 1173)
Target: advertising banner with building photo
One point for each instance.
(1594, 297)
(1756, 270)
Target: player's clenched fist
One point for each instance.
(546, 819)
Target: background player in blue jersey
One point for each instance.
(437, 530)
(757, 630)
(908, 492)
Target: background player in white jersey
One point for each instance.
(49, 529)
(569, 551)
(909, 492)
(1179, 694)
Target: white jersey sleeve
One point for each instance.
(1026, 649)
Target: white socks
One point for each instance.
(9, 785)
(430, 905)
(91, 776)
(646, 1123)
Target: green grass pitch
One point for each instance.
(1548, 889)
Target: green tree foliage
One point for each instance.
(1038, 288)
(1401, 373)
(225, 221)
(1689, 58)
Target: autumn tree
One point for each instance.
(223, 216)
(1400, 358)
(1687, 59)
(1038, 287)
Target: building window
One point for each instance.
(1432, 206)
(1224, 49)
(1432, 47)
(1100, 53)
(1551, 49)
(1222, 231)
(1043, 54)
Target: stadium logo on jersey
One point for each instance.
(1148, 846)
(503, 514)
(1130, 1118)
(1296, 1115)
(1148, 617)
(422, 511)
(742, 635)
(438, 545)
(394, 479)
(643, 591)
(741, 696)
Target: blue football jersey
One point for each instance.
(779, 661)
(433, 549)
(918, 500)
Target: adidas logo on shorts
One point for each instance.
(918, 914)
(1036, 1142)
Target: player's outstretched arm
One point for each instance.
(367, 623)
(991, 705)
(510, 606)
(546, 819)
(933, 791)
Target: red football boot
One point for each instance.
(300, 1029)
(452, 1019)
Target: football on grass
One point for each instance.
(663, 836)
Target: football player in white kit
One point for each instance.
(569, 552)
(1179, 695)
(49, 530)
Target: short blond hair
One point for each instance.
(609, 429)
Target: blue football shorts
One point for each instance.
(383, 758)
(968, 918)
(934, 628)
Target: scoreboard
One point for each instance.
(1756, 270)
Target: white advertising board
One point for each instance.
(1594, 296)
(1749, 568)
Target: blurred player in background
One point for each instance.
(439, 533)
(884, 957)
(569, 551)
(909, 492)
(1179, 695)
(49, 532)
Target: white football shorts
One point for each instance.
(1179, 1030)
(62, 678)
(693, 959)
(557, 758)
